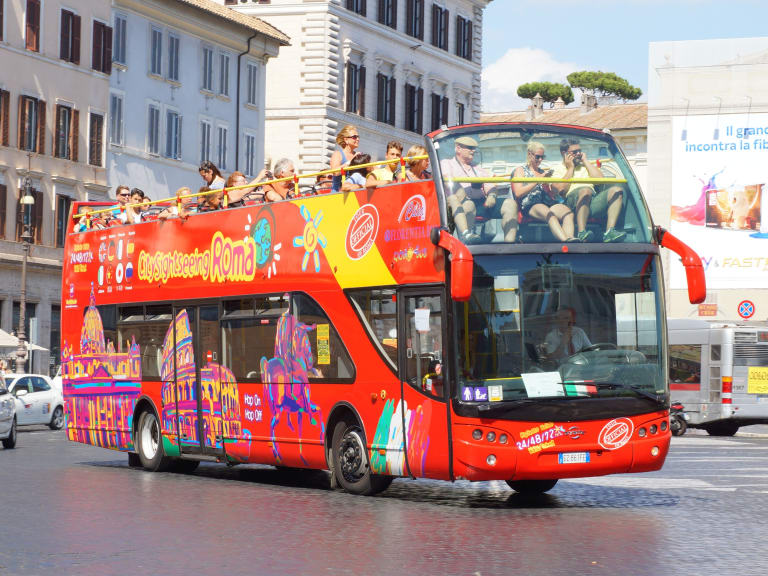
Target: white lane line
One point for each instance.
(718, 458)
(652, 483)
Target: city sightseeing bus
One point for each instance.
(355, 332)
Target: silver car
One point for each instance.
(7, 417)
(37, 401)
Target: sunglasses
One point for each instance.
(126, 194)
(355, 137)
(538, 156)
(575, 152)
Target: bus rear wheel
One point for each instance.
(723, 428)
(531, 486)
(351, 465)
(150, 443)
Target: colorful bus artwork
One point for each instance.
(365, 333)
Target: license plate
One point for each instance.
(573, 458)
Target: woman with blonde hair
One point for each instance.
(347, 140)
(416, 168)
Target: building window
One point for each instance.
(205, 141)
(355, 89)
(253, 84)
(32, 37)
(156, 52)
(35, 218)
(65, 144)
(388, 13)
(460, 113)
(439, 26)
(357, 6)
(464, 38)
(385, 110)
(250, 155)
(116, 119)
(221, 139)
(173, 57)
(414, 18)
(118, 50)
(32, 124)
(414, 108)
(3, 206)
(5, 116)
(102, 47)
(63, 204)
(153, 130)
(439, 111)
(173, 135)
(207, 68)
(96, 139)
(224, 74)
(69, 48)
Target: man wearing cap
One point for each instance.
(466, 200)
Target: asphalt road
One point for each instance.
(72, 509)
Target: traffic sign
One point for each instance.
(746, 309)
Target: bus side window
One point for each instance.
(424, 341)
(715, 352)
(685, 363)
(377, 310)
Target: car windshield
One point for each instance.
(494, 176)
(561, 326)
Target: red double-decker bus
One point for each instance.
(356, 332)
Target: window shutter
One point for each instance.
(19, 215)
(435, 25)
(361, 91)
(76, 39)
(380, 96)
(459, 35)
(421, 20)
(350, 87)
(382, 11)
(444, 111)
(410, 94)
(75, 134)
(364, 9)
(37, 220)
(410, 15)
(93, 140)
(394, 14)
(445, 25)
(41, 126)
(392, 100)
(65, 39)
(106, 64)
(56, 127)
(178, 138)
(22, 118)
(420, 111)
(5, 113)
(96, 63)
(33, 25)
(3, 200)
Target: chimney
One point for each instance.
(588, 103)
(559, 103)
(529, 113)
(538, 106)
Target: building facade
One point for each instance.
(188, 85)
(396, 69)
(707, 176)
(54, 87)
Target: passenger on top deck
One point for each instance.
(280, 190)
(212, 176)
(239, 196)
(468, 200)
(417, 169)
(347, 140)
(188, 206)
(539, 200)
(132, 212)
(357, 177)
(211, 201)
(583, 198)
(389, 172)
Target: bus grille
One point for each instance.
(747, 351)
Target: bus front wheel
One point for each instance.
(351, 466)
(150, 443)
(531, 486)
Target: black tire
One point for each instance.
(351, 465)
(149, 442)
(10, 442)
(677, 426)
(57, 419)
(531, 486)
(184, 466)
(722, 428)
(133, 460)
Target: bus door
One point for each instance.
(425, 429)
(198, 380)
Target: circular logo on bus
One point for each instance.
(616, 433)
(362, 230)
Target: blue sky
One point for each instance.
(527, 40)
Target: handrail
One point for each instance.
(500, 179)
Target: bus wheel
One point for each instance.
(350, 462)
(723, 428)
(531, 486)
(184, 466)
(150, 443)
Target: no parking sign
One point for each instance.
(746, 309)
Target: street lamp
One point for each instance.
(27, 202)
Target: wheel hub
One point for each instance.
(352, 456)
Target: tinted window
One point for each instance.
(685, 363)
(22, 384)
(40, 385)
(378, 312)
(149, 334)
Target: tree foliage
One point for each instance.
(550, 91)
(604, 84)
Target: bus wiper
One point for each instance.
(636, 389)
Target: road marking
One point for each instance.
(649, 483)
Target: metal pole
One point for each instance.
(21, 351)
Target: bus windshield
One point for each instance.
(498, 179)
(561, 326)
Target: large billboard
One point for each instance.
(720, 197)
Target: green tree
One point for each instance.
(604, 84)
(550, 91)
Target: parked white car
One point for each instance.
(37, 402)
(7, 417)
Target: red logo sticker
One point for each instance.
(616, 433)
(362, 231)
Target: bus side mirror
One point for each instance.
(694, 271)
(461, 263)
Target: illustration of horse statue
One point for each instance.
(286, 378)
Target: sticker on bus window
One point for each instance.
(323, 344)
(543, 384)
(495, 393)
(421, 317)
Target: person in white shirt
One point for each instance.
(565, 339)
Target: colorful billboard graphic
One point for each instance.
(720, 197)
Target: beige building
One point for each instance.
(54, 88)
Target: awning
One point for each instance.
(10, 341)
